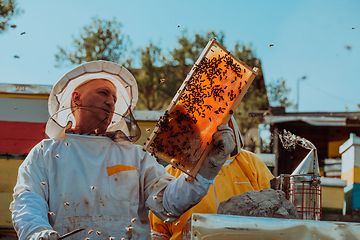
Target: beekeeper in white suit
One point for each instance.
(89, 174)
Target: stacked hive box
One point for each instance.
(350, 156)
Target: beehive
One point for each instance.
(207, 98)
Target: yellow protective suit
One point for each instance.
(241, 173)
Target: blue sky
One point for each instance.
(319, 39)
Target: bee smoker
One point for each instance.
(305, 189)
(302, 188)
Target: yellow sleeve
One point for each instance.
(258, 168)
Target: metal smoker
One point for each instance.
(305, 189)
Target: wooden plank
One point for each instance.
(8, 174)
(20, 137)
(332, 197)
(5, 214)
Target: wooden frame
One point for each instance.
(207, 98)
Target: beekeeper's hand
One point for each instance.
(224, 144)
(45, 235)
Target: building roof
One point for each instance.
(278, 115)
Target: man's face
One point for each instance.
(95, 103)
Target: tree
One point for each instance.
(161, 75)
(8, 10)
(256, 97)
(151, 79)
(278, 93)
(101, 40)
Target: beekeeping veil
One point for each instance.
(122, 127)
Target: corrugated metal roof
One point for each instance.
(25, 88)
(316, 121)
(146, 115)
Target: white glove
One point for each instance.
(45, 235)
(224, 144)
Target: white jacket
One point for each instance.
(94, 183)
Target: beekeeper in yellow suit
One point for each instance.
(91, 176)
(242, 172)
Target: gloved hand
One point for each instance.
(45, 235)
(224, 144)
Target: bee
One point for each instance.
(92, 187)
(129, 228)
(169, 214)
(98, 233)
(133, 220)
(66, 204)
(22, 33)
(87, 238)
(57, 156)
(43, 183)
(178, 26)
(111, 238)
(177, 223)
(154, 197)
(122, 238)
(271, 45)
(51, 213)
(162, 80)
(148, 130)
(90, 232)
(166, 220)
(16, 56)
(67, 144)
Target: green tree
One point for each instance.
(278, 93)
(151, 79)
(8, 10)
(183, 57)
(161, 75)
(256, 97)
(101, 40)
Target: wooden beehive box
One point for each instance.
(207, 98)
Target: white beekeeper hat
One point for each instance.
(60, 97)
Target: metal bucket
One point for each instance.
(305, 194)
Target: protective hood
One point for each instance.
(122, 125)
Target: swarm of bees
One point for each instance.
(206, 97)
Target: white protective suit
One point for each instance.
(91, 182)
(74, 181)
